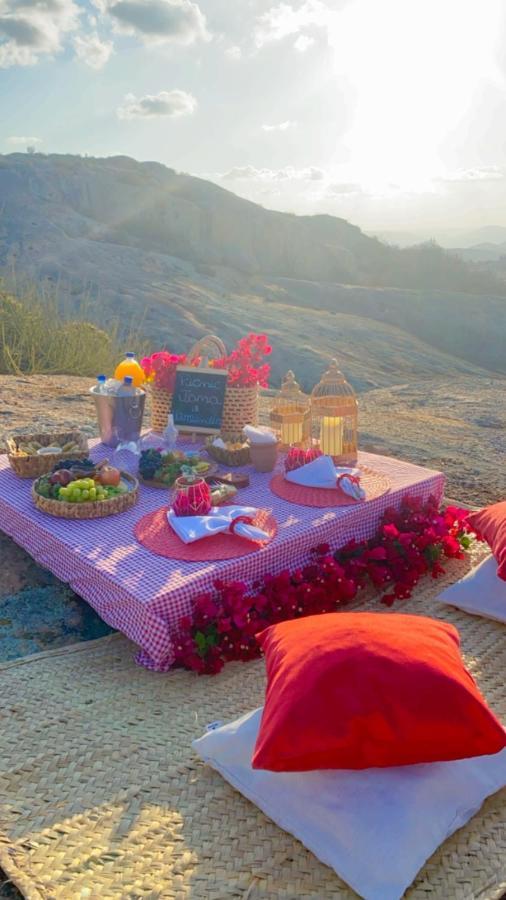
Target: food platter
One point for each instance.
(84, 490)
(171, 464)
(93, 509)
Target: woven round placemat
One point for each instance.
(374, 483)
(155, 534)
(102, 797)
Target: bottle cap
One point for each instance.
(128, 379)
(130, 355)
(101, 378)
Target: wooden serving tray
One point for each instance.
(213, 468)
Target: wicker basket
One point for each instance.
(34, 466)
(240, 409)
(95, 509)
(161, 406)
(239, 457)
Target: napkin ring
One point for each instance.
(350, 484)
(248, 520)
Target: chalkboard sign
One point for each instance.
(197, 402)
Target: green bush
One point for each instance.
(35, 338)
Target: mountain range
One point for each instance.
(181, 257)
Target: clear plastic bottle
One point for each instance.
(100, 385)
(170, 435)
(127, 389)
(130, 367)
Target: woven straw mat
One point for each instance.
(101, 795)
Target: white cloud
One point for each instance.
(303, 43)
(157, 21)
(335, 190)
(31, 29)
(285, 20)
(281, 126)
(288, 173)
(487, 173)
(18, 141)
(234, 52)
(172, 104)
(91, 50)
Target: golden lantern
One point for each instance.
(290, 416)
(334, 417)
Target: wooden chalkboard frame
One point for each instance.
(198, 370)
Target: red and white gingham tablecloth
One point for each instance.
(144, 595)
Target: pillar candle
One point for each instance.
(291, 433)
(331, 435)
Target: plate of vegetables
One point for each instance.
(160, 469)
(79, 489)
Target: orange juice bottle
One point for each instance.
(130, 366)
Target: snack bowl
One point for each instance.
(31, 463)
(235, 453)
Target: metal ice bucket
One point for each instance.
(119, 418)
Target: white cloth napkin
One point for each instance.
(320, 473)
(260, 435)
(193, 528)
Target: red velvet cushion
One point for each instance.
(360, 690)
(490, 524)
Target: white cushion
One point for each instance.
(375, 827)
(481, 592)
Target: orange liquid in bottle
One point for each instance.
(130, 366)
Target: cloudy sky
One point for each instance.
(391, 113)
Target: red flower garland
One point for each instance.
(410, 542)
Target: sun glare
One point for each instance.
(415, 68)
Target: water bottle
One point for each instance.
(100, 386)
(127, 389)
(170, 435)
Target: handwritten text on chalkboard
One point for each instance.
(199, 394)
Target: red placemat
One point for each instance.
(374, 483)
(155, 534)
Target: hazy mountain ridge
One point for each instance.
(187, 258)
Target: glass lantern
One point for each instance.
(334, 417)
(191, 496)
(290, 415)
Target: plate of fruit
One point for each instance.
(160, 469)
(79, 489)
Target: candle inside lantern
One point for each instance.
(291, 433)
(331, 435)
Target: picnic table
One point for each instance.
(145, 595)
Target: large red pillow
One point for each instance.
(490, 524)
(360, 690)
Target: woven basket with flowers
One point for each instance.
(247, 372)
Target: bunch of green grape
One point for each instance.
(86, 490)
